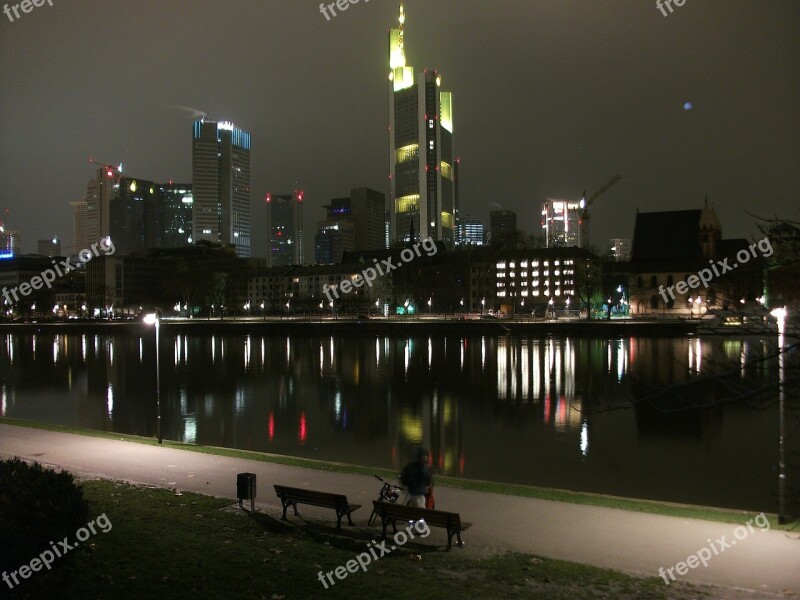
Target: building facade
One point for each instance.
(285, 229)
(50, 248)
(421, 160)
(80, 238)
(562, 223)
(470, 231)
(502, 223)
(221, 185)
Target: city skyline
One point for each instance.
(663, 109)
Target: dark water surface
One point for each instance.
(512, 409)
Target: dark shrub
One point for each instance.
(37, 506)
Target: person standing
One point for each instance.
(417, 478)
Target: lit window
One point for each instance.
(535, 292)
(501, 265)
(524, 264)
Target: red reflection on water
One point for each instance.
(302, 433)
(461, 464)
(271, 426)
(547, 409)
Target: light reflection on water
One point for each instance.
(516, 409)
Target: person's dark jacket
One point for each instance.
(417, 478)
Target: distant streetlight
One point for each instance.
(483, 305)
(152, 319)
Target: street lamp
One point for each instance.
(780, 315)
(483, 305)
(552, 306)
(566, 310)
(378, 307)
(152, 319)
(430, 301)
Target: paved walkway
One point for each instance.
(766, 561)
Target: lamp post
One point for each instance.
(780, 315)
(152, 319)
(430, 305)
(566, 308)
(378, 307)
(483, 305)
(691, 307)
(552, 307)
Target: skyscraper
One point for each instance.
(502, 223)
(80, 240)
(285, 229)
(562, 223)
(175, 202)
(421, 169)
(368, 210)
(221, 184)
(99, 194)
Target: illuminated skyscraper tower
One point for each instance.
(221, 184)
(421, 166)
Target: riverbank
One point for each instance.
(394, 326)
(500, 524)
(706, 513)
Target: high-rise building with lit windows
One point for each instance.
(221, 184)
(470, 231)
(563, 223)
(421, 163)
(285, 229)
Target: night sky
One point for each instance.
(550, 98)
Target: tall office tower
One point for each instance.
(284, 228)
(175, 202)
(470, 232)
(456, 186)
(332, 240)
(80, 239)
(620, 249)
(421, 189)
(221, 184)
(368, 208)
(502, 223)
(133, 224)
(100, 192)
(51, 247)
(562, 223)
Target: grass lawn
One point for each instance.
(164, 545)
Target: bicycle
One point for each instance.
(389, 492)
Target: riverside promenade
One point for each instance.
(638, 543)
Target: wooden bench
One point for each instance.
(293, 496)
(435, 518)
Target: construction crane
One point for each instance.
(585, 204)
(110, 169)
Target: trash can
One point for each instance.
(246, 489)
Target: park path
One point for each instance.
(765, 561)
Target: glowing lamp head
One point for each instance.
(150, 319)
